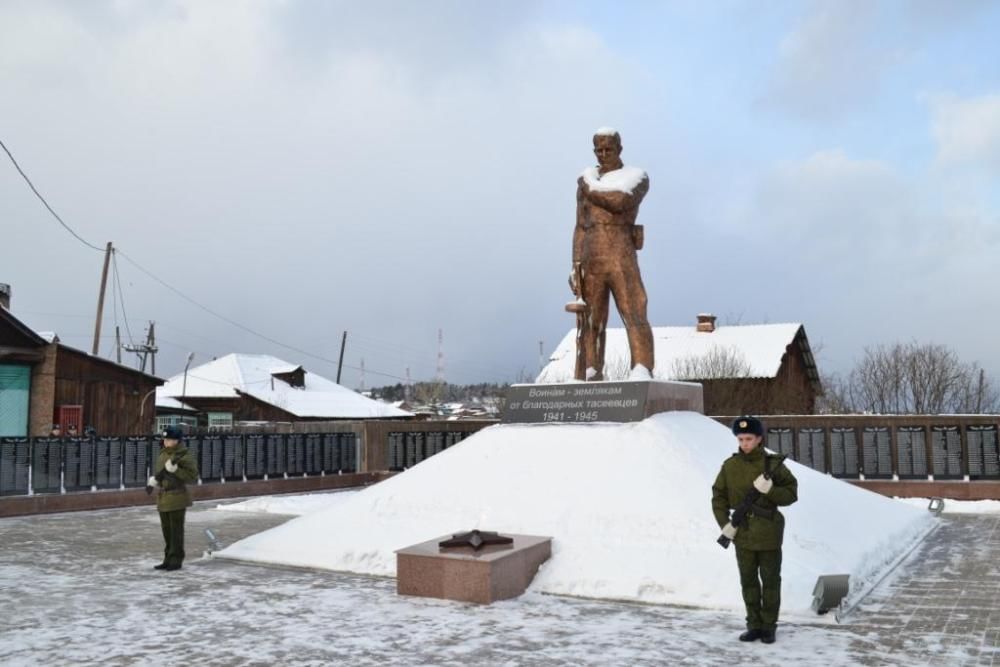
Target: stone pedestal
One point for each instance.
(579, 402)
(495, 572)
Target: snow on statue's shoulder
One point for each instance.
(620, 180)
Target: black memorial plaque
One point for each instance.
(911, 452)
(15, 454)
(79, 463)
(256, 457)
(210, 462)
(812, 449)
(414, 449)
(598, 401)
(779, 440)
(875, 445)
(314, 453)
(232, 457)
(46, 465)
(108, 463)
(983, 454)
(331, 453)
(843, 453)
(135, 461)
(296, 445)
(946, 447)
(397, 451)
(277, 455)
(348, 452)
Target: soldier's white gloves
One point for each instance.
(762, 484)
(152, 482)
(729, 530)
(172, 467)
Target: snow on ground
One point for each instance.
(295, 505)
(958, 506)
(628, 506)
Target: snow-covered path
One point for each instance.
(78, 588)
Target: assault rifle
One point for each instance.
(739, 518)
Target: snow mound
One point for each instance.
(627, 505)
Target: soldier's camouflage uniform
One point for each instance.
(758, 542)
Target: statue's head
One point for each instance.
(608, 149)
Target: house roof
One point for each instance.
(254, 375)
(44, 338)
(760, 346)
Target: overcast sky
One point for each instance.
(392, 168)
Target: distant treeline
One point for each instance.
(438, 392)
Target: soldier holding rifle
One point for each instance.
(754, 483)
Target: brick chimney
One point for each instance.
(5, 295)
(706, 323)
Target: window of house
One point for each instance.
(220, 420)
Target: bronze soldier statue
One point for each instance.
(755, 484)
(605, 242)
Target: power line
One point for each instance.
(39, 195)
(242, 326)
(118, 283)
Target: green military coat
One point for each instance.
(174, 494)
(735, 479)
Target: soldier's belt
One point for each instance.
(762, 512)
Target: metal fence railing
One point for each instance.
(60, 465)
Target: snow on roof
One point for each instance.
(620, 180)
(169, 403)
(647, 535)
(605, 132)
(49, 336)
(253, 374)
(761, 346)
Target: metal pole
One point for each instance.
(185, 385)
(100, 300)
(340, 364)
(118, 344)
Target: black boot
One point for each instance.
(751, 635)
(172, 567)
(767, 636)
(161, 566)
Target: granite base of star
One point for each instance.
(477, 539)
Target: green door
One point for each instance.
(15, 384)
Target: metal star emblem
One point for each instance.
(476, 539)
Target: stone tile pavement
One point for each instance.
(79, 588)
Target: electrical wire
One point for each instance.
(242, 326)
(39, 195)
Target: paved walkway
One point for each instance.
(79, 588)
(944, 604)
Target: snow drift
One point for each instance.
(628, 506)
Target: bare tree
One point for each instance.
(912, 378)
(719, 363)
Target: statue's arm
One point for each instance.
(619, 202)
(578, 229)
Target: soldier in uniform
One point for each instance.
(758, 538)
(174, 469)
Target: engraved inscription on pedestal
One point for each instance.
(599, 401)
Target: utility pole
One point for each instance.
(100, 299)
(147, 349)
(541, 356)
(118, 344)
(362, 374)
(406, 387)
(440, 360)
(340, 364)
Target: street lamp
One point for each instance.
(184, 386)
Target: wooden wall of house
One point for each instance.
(243, 408)
(111, 395)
